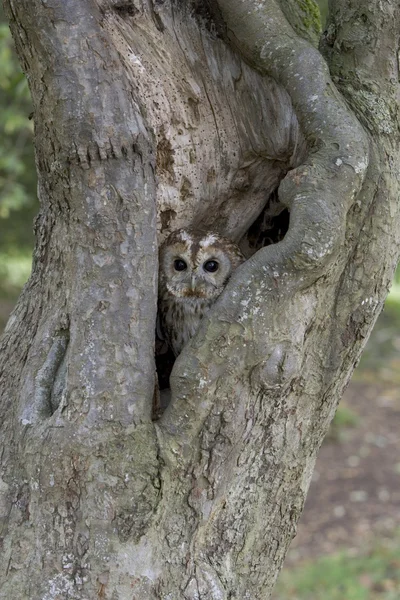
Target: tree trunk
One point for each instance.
(150, 116)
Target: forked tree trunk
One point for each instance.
(151, 115)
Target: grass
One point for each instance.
(344, 419)
(380, 361)
(394, 294)
(371, 575)
(16, 245)
(15, 268)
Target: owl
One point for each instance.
(194, 269)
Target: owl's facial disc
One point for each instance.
(193, 280)
(196, 267)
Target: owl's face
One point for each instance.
(197, 265)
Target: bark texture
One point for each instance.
(151, 116)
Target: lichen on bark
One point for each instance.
(305, 18)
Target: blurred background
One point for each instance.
(18, 202)
(348, 542)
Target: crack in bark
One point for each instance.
(50, 379)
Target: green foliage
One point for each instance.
(17, 171)
(394, 294)
(373, 575)
(15, 268)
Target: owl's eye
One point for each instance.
(211, 266)
(180, 265)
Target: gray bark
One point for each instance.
(150, 116)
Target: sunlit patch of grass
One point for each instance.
(345, 418)
(370, 575)
(394, 294)
(15, 268)
(379, 362)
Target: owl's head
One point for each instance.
(197, 264)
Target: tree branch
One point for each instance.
(319, 194)
(245, 395)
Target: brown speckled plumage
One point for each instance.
(185, 295)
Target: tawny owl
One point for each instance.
(194, 269)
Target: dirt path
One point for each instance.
(355, 493)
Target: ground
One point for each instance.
(348, 541)
(355, 492)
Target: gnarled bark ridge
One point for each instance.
(151, 116)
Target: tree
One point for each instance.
(167, 114)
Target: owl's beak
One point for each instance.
(193, 282)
